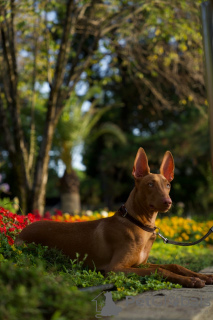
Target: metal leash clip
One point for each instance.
(165, 240)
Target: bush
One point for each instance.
(29, 293)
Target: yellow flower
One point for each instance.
(66, 216)
(194, 228)
(185, 236)
(111, 213)
(85, 217)
(179, 239)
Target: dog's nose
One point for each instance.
(167, 201)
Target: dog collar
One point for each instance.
(124, 214)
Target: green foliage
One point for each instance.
(164, 106)
(184, 132)
(147, 59)
(75, 126)
(195, 257)
(30, 294)
(133, 284)
(12, 206)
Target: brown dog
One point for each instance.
(119, 243)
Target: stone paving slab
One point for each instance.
(175, 304)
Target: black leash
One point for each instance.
(123, 213)
(185, 244)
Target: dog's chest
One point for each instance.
(145, 250)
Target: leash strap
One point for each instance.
(123, 213)
(184, 244)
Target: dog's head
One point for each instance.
(153, 188)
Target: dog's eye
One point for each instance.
(168, 186)
(151, 184)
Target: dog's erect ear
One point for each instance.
(141, 167)
(167, 167)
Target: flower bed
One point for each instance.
(175, 228)
(186, 230)
(11, 224)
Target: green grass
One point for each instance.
(194, 257)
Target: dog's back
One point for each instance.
(80, 237)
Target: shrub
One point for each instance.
(29, 293)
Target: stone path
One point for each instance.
(175, 304)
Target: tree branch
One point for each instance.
(61, 60)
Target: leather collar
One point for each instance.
(123, 213)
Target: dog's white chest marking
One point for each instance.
(142, 256)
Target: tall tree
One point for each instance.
(161, 85)
(46, 44)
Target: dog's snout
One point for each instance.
(167, 201)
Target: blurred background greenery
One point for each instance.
(131, 76)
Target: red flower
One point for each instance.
(58, 212)
(31, 217)
(19, 227)
(2, 210)
(10, 240)
(36, 214)
(11, 215)
(3, 230)
(20, 218)
(47, 215)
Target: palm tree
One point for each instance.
(73, 128)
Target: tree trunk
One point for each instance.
(70, 196)
(37, 201)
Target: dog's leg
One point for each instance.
(175, 268)
(121, 261)
(185, 281)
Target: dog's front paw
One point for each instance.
(207, 277)
(192, 282)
